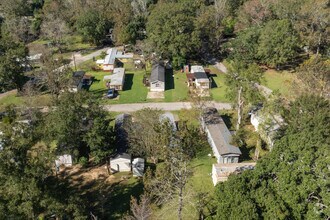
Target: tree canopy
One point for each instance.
(292, 180)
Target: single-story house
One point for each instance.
(65, 160)
(201, 80)
(267, 125)
(219, 137)
(121, 163)
(117, 79)
(221, 171)
(157, 78)
(138, 167)
(77, 81)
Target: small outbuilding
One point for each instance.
(170, 118)
(121, 163)
(138, 167)
(157, 78)
(65, 160)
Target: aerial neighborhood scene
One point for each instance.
(164, 109)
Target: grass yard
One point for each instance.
(281, 81)
(35, 101)
(176, 88)
(134, 90)
(218, 88)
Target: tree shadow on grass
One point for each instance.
(169, 80)
(128, 81)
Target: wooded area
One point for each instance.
(291, 178)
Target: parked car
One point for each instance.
(111, 94)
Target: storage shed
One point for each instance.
(121, 163)
(138, 167)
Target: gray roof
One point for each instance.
(219, 132)
(200, 75)
(77, 78)
(157, 73)
(111, 57)
(118, 76)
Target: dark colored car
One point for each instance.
(111, 93)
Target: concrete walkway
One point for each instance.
(165, 106)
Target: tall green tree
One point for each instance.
(12, 63)
(292, 181)
(92, 26)
(28, 188)
(79, 126)
(278, 43)
(241, 81)
(171, 31)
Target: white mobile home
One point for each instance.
(117, 79)
(219, 137)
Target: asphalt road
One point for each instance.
(165, 106)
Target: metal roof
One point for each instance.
(219, 132)
(118, 76)
(157, 73)
(111, 57)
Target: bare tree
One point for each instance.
(54, 29)
(146, 135)
(171, 179)
(140, 210)
(139, 7)
(55, 74)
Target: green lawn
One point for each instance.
(13, 99)
(134, 90)
(176, 88)
(218, 87)
(280, 81)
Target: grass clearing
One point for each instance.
(35, 101)
(281, 81)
